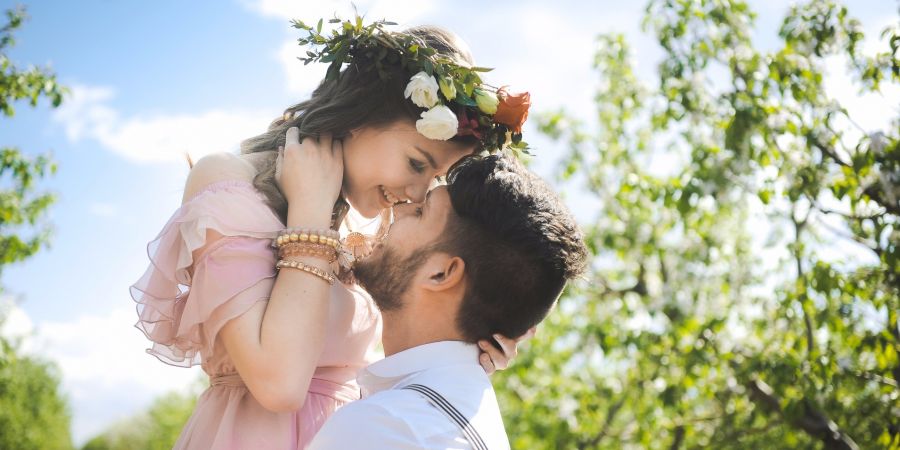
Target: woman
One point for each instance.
(282, 347)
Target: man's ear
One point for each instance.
(443, 272)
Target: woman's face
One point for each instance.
(392, 164)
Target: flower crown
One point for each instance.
(456, 101)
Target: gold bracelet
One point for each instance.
(283, 263)
(323, 251)
(303, 235)
(328, 232)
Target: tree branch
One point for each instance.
(610, 416)
(679, 438)
(739, 434)
(894, 328)
(813, 422)
(848, 216)
(873, 193)
(828, 151)
(868, 376)
(807, 320)
(850, 237)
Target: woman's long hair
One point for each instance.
(357, 98)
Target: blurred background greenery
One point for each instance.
(744, 297)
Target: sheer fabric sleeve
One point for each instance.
(182, 303)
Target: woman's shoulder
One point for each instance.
(217, 168)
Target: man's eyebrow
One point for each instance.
(427, 156)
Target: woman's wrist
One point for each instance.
(317, 218)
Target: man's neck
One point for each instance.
(400, 333)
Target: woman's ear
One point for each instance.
(443, 272)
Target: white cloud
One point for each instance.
(306, 11)
(87, 114)
(513, 55)
(102, 356)
(105, 349)
(571, 77)
(16, 325)
(301, 78)
(154, 138)
(400, 11)
(557, 72)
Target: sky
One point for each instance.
(152, 80)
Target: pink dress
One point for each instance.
(183, 303)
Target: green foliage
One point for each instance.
(156, 429)
(686, 334)
(33, 413)
(20, 204)
(29, 84)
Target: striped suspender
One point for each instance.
(452, 413)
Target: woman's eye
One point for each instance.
(416, 166)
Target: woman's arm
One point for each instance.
(275, 345)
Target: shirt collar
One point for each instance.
(386, 373)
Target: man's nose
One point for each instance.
(416, 192)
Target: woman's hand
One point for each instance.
(309, 174)
(493, 359)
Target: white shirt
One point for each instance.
(390, 417)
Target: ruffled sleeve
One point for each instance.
(182, 303)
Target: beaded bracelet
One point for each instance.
(305, 235)
(328, 232)
(283, 263)
(324, 251)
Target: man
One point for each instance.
(488, 253)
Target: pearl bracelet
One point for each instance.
(283, 263)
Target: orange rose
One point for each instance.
(513, 109)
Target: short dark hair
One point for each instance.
(519, 242)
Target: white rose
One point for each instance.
(423, 89)
(438, 123)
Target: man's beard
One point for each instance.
(386, 277)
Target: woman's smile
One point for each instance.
(388, 199)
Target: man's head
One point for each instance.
(492, 251)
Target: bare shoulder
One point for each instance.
(215, 168)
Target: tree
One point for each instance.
(20, 204)
(33, 413)
(156, 429)
(687, 333)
